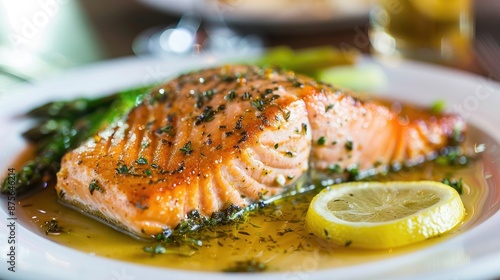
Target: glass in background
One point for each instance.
(439, 31)
(42, 37)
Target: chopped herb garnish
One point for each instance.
(328, 108)
(251, 265)
(276, 145)
(246, 95)
(347, 243)
(186, 149)
(243, 138)
(287, 115)
(335, 168)
(295, 82)
(144, 144)
(259, 104)
(52, 227)
(122, 169)
(304, 129)
(141, 161)
(158, 249)
(452, 156)
(353, 171)
(93, 186)
(321, 140)
(167, 129)
(231, 95)
(207, 115)
(238, 125)
(349, 145)
(454, 183)
(148, 172)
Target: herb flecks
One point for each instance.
(207, 115)
(335, 168)
(353, 171)
(452, 156)
(167, 129)
(264, 100)
(161, 249)
(93, 186)
(251, 265)
(187, 149)
(187, 237)
(455, 184)
(304, 129)
(141, 161)
(349, 145)
(246, 95)
(321, 141)
(52, 227)
(231, 95)
(122, 169)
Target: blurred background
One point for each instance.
(40, 38)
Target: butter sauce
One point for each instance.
(275, 236)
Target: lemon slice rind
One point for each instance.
(431, 220)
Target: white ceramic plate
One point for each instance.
(270, 13)
(474, 253)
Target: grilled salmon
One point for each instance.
(231, 136)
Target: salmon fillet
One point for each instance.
(233, 135)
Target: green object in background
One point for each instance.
(307, 61)
(332, 65)
(356, 77)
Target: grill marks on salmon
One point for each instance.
(231, 136)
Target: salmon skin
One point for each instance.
(232, 136)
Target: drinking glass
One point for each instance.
(431, 30)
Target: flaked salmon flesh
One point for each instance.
(233, 135)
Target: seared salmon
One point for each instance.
(234, 135)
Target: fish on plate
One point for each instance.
(231, 136)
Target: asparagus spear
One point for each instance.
(64, 129)
(71, 109)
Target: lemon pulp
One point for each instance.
(376, 215)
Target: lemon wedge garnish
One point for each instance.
(376, 215)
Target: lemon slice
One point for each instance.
(376, 215)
